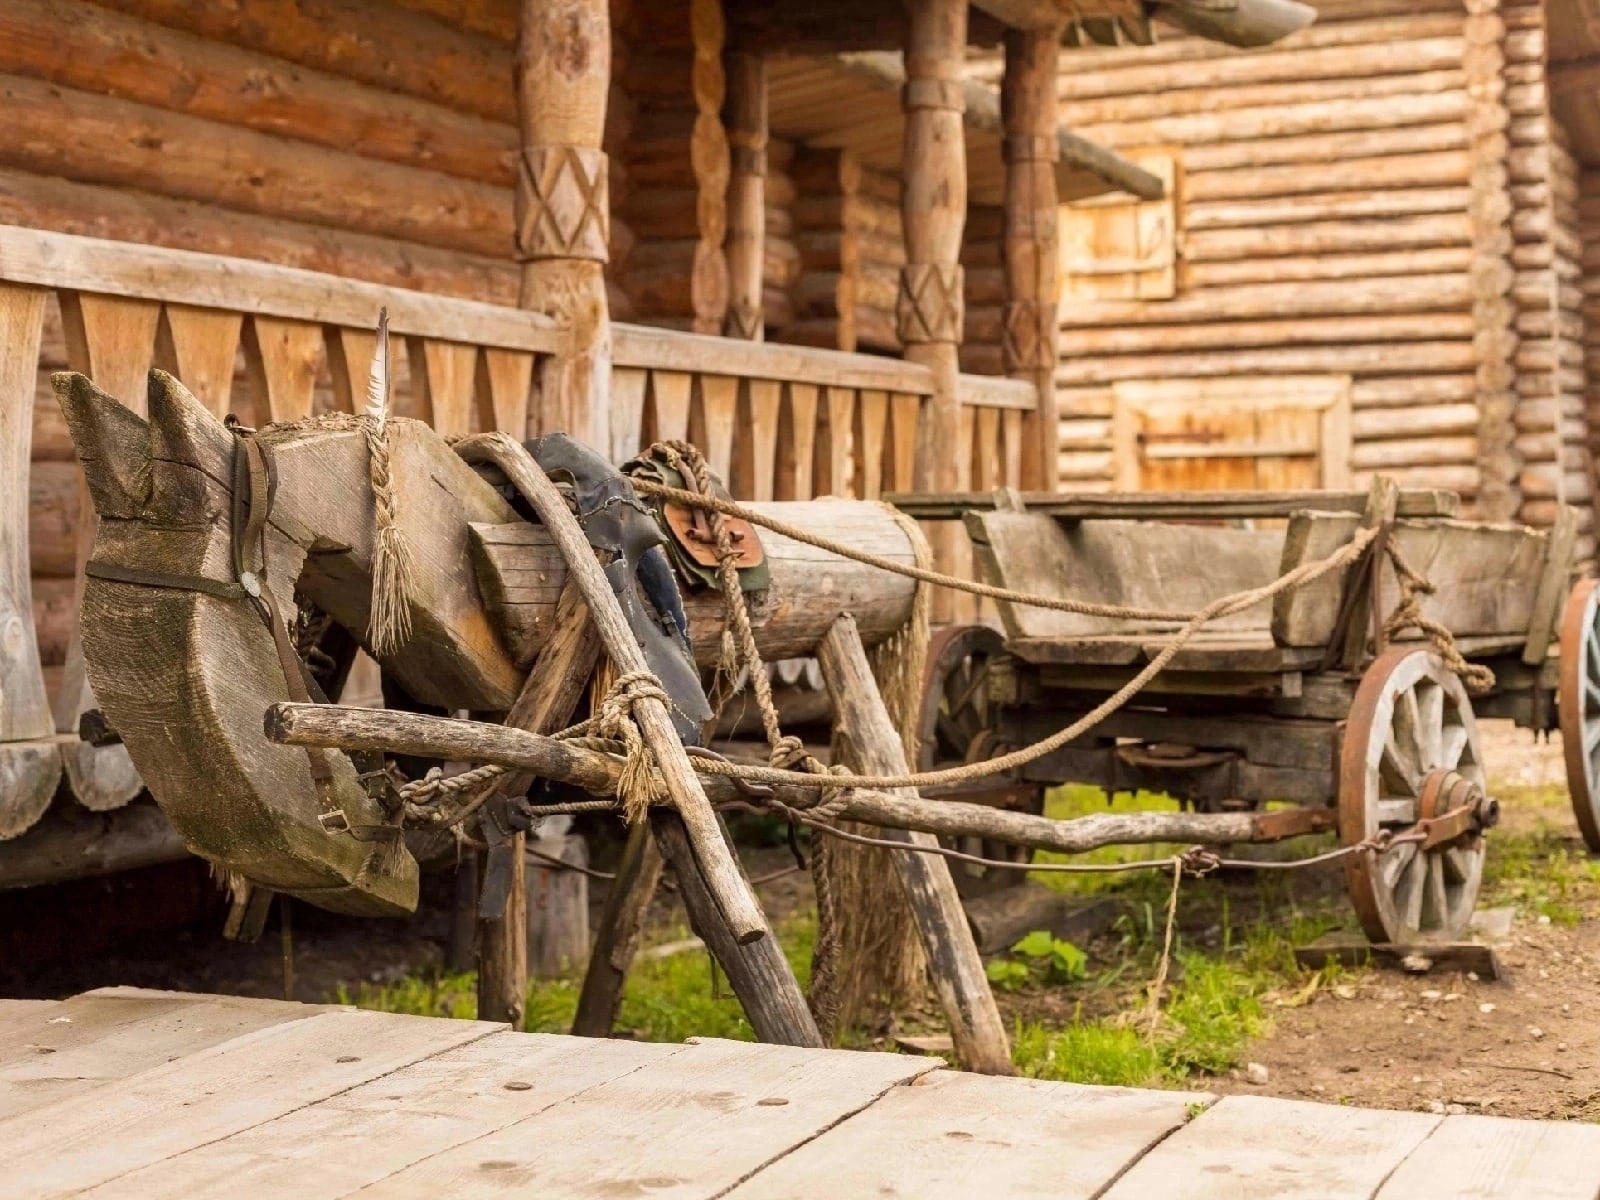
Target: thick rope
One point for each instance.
(637, 785)
(1407, 614)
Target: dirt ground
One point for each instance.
(1526, 1045)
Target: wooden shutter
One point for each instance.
(1287, 432)
(1120, 248)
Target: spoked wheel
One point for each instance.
(1411, 753)
(955, 695)
(1578, 705)
(957, 728)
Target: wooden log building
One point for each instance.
(781, 231)
(1371, 258)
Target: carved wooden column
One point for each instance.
(929, 308)
(746, 119)
(1029, 333)
(562, 205)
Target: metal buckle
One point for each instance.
(334, 822)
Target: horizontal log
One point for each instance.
(402, 52)
(1271, 121)
(1387, 358)
(1400, 454)
(170, 69)
(1420, 421)
(1415, 293)
(1442, 169)
(1241, 335)
(364, 729)
(127, 215)
(142, 147)
(1325, 206)
(1415, 261)
(1326, 147)
(1400, 233)
(73, 843)
(521, 577)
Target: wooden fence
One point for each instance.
(275, 344)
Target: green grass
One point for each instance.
(1539, 866)
(666, 999)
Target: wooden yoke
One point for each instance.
(563, 210)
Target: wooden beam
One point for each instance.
(746, 121)
(563, 210)
(1170, 506)
(1030, 328)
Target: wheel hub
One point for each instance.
(1453, 807)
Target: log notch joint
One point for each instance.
(563, 208)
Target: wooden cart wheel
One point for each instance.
(1578, 705)
(1411, 751)
(955, 698)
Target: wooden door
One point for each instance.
(1255, 434)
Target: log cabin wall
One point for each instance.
(982, 259)
(1553, 427)
(1341, 225)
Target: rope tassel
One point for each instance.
(389, 626)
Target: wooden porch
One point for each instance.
(124, 1092)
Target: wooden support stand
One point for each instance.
(953, 959)
(617, 939)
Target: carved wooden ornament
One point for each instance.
(563, 205)
(931, 304)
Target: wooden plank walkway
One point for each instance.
(131, 1093)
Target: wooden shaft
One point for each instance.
(954, 963)
(617, 939)
(393, 732)
(758, 971)
(563, 76)
(549, 694)
(1029, 335)
(723, 879)
(746, 117)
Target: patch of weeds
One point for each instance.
(1087, 1052)
(666, 999)
(1541, 871)
(1039, 957)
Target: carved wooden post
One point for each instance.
(929, 309)
(1029, 334)
(562, 204)
(708, 152)
(747, 211)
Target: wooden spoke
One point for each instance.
(1578, 706)
(1411, 717)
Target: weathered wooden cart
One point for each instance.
(1303, 712)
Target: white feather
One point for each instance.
(378, 380)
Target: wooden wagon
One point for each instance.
(1297, 711)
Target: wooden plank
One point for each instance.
(1353, 950)
(1494, 1156)
(713, 420)
(904, 413)
(25, 712)
(199, 345)
(628, 386)
(350, 354)
(282, 358)
(756, 468)
(1250, 1146)
(96, 1039)
(108, 1131)
(991, 391)
(954, 965)
(128, 269)
(443, 378)
(691, 1124)
(1554, 582)
(505, 391)
(665, 349)
(797, 450)
(831, 475)
(667, 417)
(871, 433)
(955, 1136)
(422, 1110)
(1170, 506)
(1486, 576)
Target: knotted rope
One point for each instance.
(637, 786)
(1407, 614)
